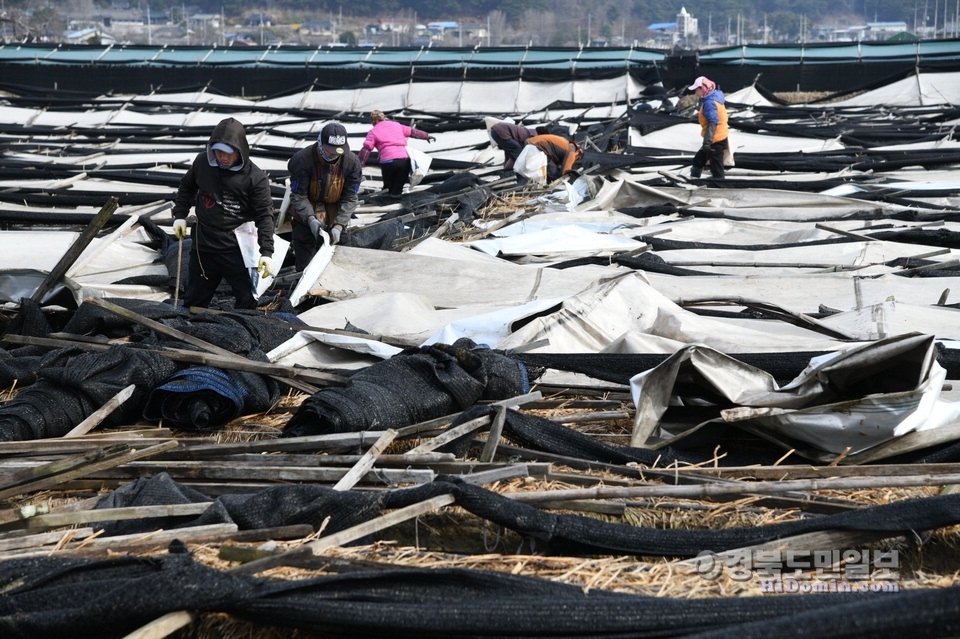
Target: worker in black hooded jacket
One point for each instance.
(226, 189)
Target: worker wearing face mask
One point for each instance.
(324, 181)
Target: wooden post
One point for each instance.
(94, 227)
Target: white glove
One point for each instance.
(265, 266)
(180, 228)
(335, 234)
(315, 227)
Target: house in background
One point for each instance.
(259, 20)
(317, 27)
(88, 35)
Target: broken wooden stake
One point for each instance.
(102, 413)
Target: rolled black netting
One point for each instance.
(52, 597)
(575, 535)
(248, 333)
(276, 506)
(267, 330)
(655, 264)
(205, 399)
(537, 433)
(74, 383)
(620, 367)
(416, 385)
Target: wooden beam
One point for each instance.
(88, 469)
(95, 418)
(86, 236)
(366, 462)
(286, 374)
(349, 534)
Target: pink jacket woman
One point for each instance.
(389, 138)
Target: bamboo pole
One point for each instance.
(735, 488)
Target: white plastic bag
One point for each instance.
(728, 159)
(419, 165)
(532, 164)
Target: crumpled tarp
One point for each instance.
(843, 403)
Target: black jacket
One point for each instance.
(226, 198)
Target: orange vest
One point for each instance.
(722, 131)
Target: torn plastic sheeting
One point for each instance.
(877, 321)
(452, 283)
(564, 239)
(312, 273)
(592, 320)
(22, 284)
(490, 328)
(843, 402)
(355, 344)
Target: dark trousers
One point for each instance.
(714, 159)
(395, 175)
(304, 244)
(510, 147)
(208, 269)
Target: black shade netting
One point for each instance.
(459, 603)
(21, 364)
(380, 236)
(19, 368)
(109, 598)
(575, 535)
(413, 386)
(203, 398)
(620, 367)
(93, 320)
(52, 597)
(276, 506)
(246, 333)
(248, 330)
(74, 384)
(540, 434)
(174, 254)
(656, 264)
(29, 321)
(646, 121)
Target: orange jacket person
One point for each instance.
(561, 154)
(713, 128)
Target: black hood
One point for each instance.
(229, 131)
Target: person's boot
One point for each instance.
(695, 172)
